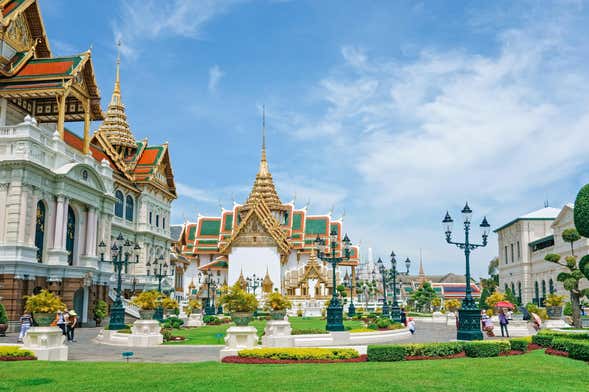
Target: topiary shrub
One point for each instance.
(581, 212)
(519, 344)
(578, 349)
(300, 353)
(173, 322)
(386, 353)
(433, 349)
(3, 315)
(484, 349)
(383, 323)
(211, 320)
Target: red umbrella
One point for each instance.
(504, 304)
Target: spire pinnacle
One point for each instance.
(263, 162)
(117, 89)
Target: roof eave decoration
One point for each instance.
(261, 210)
(32, 14)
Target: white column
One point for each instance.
(91, 232)
(33, 217)
(85, 306)
(22, 224)
(58, 222)
(3, 107)
(3, 217)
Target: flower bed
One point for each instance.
(559, 353)
(298, 354)
(250, 360)
(11, 353)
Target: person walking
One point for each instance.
(72, 324)
(403, 317)
(60, 322)
(411, 325)
(503, 321)
(26, 321)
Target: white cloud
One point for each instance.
(193, 193)
(321, 196)
(215, 75)
(150, 19)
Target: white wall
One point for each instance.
(254, 260)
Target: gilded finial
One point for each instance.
(118, 76)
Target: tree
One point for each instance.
(423, 296)
(452, 305)
(571, 235)
(494, 298)
(570, 281)
(483, 300)
(510, 296)
(492, 282)
(581, 213)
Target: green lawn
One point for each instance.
(531, 372)
(210, 334)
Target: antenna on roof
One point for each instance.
(546, 204)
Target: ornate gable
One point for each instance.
(258, 228)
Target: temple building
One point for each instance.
(268, 238)
(61, 194)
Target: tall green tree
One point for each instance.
(571, 235)
(492, 282)
(510, 296)
(483, 300)
(423, 296)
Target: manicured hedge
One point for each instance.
(10, 353)
(386, 353)
(433, 349)
(544, 338)
(300, 353)
(309, 331)
(483, 349)
(519, 344)
(578, 350)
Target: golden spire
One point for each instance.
(264, 185)
(421, 272)
(115, 127)
(241, 281)
(267, 283)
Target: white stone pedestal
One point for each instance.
(239, 338)
(340, 338)
(451, 319)
(46, 343)
(277, 334)
(145, 333)
(312, 312)
(554, 324)
(438, 317)
(195, 320)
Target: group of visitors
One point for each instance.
(66, 320)
(487, 323)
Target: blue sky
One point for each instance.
(393, 112)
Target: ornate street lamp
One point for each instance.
(469, 316)
(121, 251)
(160, 271)
(349, 284)
(253, 283)
(383, 272)
(395, 309)
(208, 279)
(335, 310)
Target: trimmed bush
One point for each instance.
(581, 214)
(15, 352)
(386, 353)
(433, 349)
(544, 338)
(300, 353)
(519, 344)
(578, 350)
(173, 322)
(308, 331)
(484, 349)
(560, 344)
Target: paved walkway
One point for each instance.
(85, 349)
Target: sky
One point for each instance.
(389, 113)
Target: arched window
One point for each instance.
(543, 289)
(119, 203)
(150, 215)
(537, 293)
(512, 288)
(40, 230)
(129, 209)
(70, 235)
(163, 222)
(551, 286)
(157, 221)
(519, 291)
(506, 287)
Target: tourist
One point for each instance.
(411, 325)
(487, 325)
(509, 314)
(403, 317)
(60, 322)
(503, 321)
(72, 324)
(26, 321)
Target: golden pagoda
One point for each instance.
(267, 283)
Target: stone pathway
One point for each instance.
(85, 349)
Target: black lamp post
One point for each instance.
(469, 316)
(335, 310)
(208, 279)
(121, 251)
(253, 283)
(349, 283)
(160, 271)
(383, 272)
(395, 309)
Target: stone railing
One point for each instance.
(130, 308)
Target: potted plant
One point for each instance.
(147, 301)
(240, 304)
(43, 307)
(554, 304)
(100, 312)
(193, 306)
(3, 320)
(169, 305)
(277, 304)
